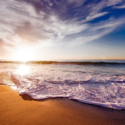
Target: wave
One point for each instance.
(92, 62)
(108, 92)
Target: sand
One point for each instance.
(22, 110)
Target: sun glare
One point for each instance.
(24, 54)
(23, 70)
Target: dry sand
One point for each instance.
(22, 110)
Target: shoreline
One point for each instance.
(18, 110)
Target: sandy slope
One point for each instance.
(22, 110)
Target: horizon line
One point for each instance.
(60, 60)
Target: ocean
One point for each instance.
(94, 82)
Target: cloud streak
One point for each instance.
(32, 22)
(119, 7)
(97, 31)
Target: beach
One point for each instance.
(62, 62)
(23, 110)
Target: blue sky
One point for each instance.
(62, 29)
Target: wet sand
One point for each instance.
(22, 110)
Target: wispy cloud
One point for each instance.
(77, 2)
(119, 7)
(113, 2)
(35, 21)
(97, 31)
(88, 18)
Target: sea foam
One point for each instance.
(98, 85)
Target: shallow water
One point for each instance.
(94, 84)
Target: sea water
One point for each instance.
(100, 84)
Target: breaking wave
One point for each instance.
(103, 86)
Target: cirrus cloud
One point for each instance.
(68, 21)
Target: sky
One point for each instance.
(62, 29)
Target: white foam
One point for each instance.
(50, 81)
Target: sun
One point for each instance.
(24, 54)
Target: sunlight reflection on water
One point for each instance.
(14, 87)
(23, 69)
